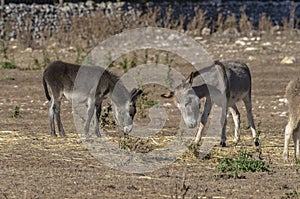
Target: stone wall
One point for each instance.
(46, 16)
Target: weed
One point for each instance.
(291, 195)
(169, 80)
(9, 78)
(124, 64)
(8, 65)
(298, 166)
(40, 65)
(156, 60)
(16, 112)
(168, 61)
(146, 57)
(37, 63)
(151, 103)
(79, 52)
(134, 60)
(243, 163)
(46, 59)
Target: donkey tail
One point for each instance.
(46, 89)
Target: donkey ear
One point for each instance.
(168, 95)
(134, 94)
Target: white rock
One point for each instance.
(251, 49)
(198, 38)
(240, 42)
(251, 58)
(266, 44)
(288, 60)
(283, 114)
(245, 38)
(72, 49)
(284, 100)
(205, 31)
(28, 50)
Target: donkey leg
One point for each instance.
(58, 119)
(207, 109)
(90, 113)
(287, 135)
(97, 117)
(51, 117)
(236, 119)
(296, 138)
(223, 136)
(248, 105)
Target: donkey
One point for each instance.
(292, 95)
(96, 84)
(236, 85)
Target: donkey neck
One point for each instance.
(201, 90)
(116, 90)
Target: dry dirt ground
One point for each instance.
(35, 165)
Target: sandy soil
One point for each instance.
(35, 165)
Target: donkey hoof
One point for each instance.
(53, 134)
(98, 134)
(62, 134)
(256, 142)
(223, 144)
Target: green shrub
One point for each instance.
(243, 163)
(8, 65)
(16, 112)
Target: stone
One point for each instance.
(288, 60)
(205, 31)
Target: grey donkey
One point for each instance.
(292, 95)
(236, 86)
(94, 86)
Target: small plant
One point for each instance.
(16, 112)
(298, 166)
(168, 61)
(109, 60)
(156, 60)
(124, 64)
(151, 103)
(7, 63)
(46, 60)
(169, 80)
(291, 195)
(146, 57)
(134, 60)
(9, 78)
(37, 63)
(243, 163)
(79, 52)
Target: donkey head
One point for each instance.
(186, 101)
(124, 109)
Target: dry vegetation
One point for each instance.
(87, 31)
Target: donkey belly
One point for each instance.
(76, 97)
(236, 97)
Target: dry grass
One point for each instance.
(87, 31)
